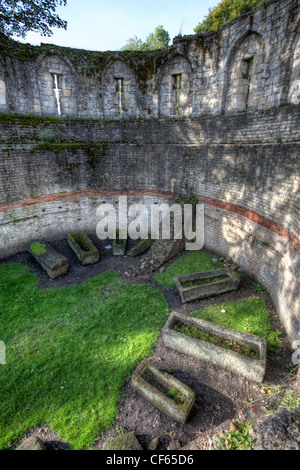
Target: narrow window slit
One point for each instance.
(248, 67)
(120, 92)
(57, 89)
(177, 87)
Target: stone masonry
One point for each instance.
(251, 63)
(215, 115)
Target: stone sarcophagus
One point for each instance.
(241, 353)
(164, 391)
(83, 248)
(206, 284)
(51, 261)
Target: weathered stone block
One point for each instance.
(51, 261)
(119, 246)
(83, 248)
(32, 443)
(252, 369)
(164, 250)
(141, 247)
(206, 284)
(177, 409)
(126, 442)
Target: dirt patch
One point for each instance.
(220, 395)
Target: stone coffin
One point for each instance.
(252, 369)
(49, 259)
(177, 411)
(141, 247)
(205, 284)
(83, 248)
(119, 245)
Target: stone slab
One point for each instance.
(141, 247)
(119, 245)
(32, 443)
(126, 442)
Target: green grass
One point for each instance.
(193, 262)
(248, 316)
(70, 350)
(259, 289)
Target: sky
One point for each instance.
(107, 24)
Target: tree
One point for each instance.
(157, 40)
(134, 44)
(18, 17)
(226, 11)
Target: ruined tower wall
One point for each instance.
(155, 136)
(251, 63)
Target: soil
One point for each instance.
(220, 395)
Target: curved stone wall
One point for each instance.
(251, 63)
(244, 168)
(241, 158)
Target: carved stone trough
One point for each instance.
(252, 369)
(141, 247)
(51, 261)
(178, 410)
(206, 284)
(83, 248)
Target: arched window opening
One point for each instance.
(245, 88)
(175, 88)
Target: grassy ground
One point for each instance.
(193, 262)
(248, 316)
(70, 350)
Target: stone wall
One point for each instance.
(251, 63)
(238, 150)
(244, 168)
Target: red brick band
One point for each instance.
(235, 208)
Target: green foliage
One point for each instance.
(46, 134)
(291, 367)
(176, 396)
(17, 18)
(248, 316)
(238, 438)
(224, 12)
(291, 400)
(193, 262)
(158, 40)
(259, 289)
(188, 199)
(69, 351)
